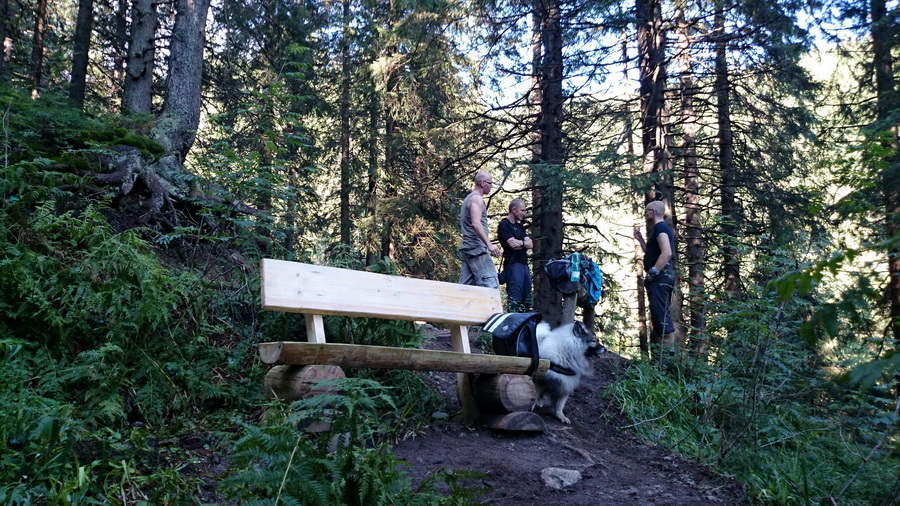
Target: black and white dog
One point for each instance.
(568, 348)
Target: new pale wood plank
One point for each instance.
(303, 288)
(315, 328)
(385, 357)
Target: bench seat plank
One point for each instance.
(314, 289)
(384, 357)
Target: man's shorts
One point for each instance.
(478, 270)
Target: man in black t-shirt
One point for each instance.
(659, 275)
(515, 243)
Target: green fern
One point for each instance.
(276, 463)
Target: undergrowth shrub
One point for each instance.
(761, 409)
(101, 342)
(348, 464)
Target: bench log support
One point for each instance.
(386, 357)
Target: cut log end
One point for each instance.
(503, 393)
(523, 421)
(294, 382)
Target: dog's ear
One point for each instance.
(582, 332)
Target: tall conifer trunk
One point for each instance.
(5, 40)
(652, 67)
(656, 161)
(345, 125)
(694, 232)
(82, 46)
(882, 46)
(547, 173)
(177, 125)
(137, 95)
(372, 176)
(730, 211)
(119, 47)
(37, 44)
(637, 218)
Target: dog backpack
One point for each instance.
(515, 335)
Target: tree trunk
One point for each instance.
(651, 58)
(538, 280)
(119, 48)
(389, 182)
(637, 219)
(882, 43)
(694, 228)
(176, 128)
(656, 162)
(5, 40)
(372, 175)
(546, 174)
(82, 46)
(138, 90)
(177, 125)
(37, 45)
(345, 126)
(730, 211)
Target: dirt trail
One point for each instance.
(614, 467)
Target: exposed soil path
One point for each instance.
(615, 467)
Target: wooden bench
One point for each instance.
(315, 291)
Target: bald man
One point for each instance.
(659, 277)
(476, 249)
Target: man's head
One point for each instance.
(655, 211)
(483, 182)
(517, 210)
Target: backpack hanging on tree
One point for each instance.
(592, 280)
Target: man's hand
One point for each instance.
(637, 234)
(652, 273)
(494, 250)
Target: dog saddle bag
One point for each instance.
(515, 335)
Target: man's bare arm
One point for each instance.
(476, 211)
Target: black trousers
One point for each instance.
(518, 288)
(659, 295)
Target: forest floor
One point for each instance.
(614, 466)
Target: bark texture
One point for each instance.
(882, 46)
(5, 40)
(37, 43)
(177, 125)
(137, 94)
(82, 45)
(730, 211)
(345, 125)
(547, 196)
(693, 233)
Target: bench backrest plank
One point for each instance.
(314, 289)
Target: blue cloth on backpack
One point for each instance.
(592, 280)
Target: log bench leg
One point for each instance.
(295, 382)
(459, 336)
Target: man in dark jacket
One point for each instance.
(515, 243)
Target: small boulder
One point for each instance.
(558, 479)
